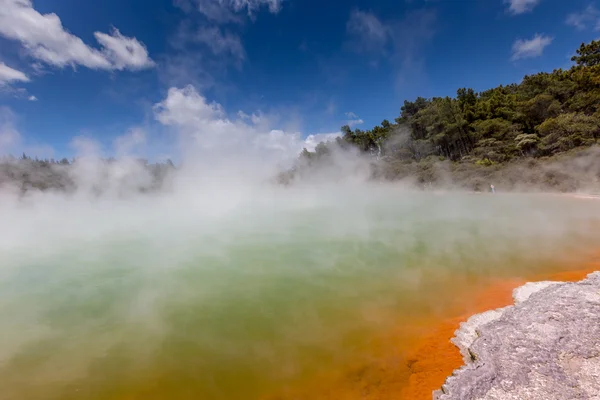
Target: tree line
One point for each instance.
(544, 115)
(26, 173)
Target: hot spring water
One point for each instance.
(233, 295)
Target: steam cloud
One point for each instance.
(224, 275)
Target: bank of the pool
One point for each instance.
(436, 357)
(413, 358)
(544, 345)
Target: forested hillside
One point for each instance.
(543, 116)
(538, 134)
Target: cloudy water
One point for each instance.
(235, 294)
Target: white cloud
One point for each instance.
(16, 92)
(353, 119)
(590, 17)
(206, 123)
(124, 52)
(311, 141)
(186, 107)
(252, 5)
(278, 140)
(202, 50)
(201, 55)
(221, 43)
(368, 32)
(521, 6)
(257, 118)
(45, 39)
(530, 48)
(225, 10)
(8, 74)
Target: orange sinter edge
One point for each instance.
(436, 357)
(413, 360)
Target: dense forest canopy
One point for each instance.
(546, 114)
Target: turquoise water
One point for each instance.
(230, 296)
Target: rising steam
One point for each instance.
(222, 283)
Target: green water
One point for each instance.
(229, 300)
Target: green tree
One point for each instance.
(568, 131)
(588, 55)
(547, 113)
(540, 108)
(527, 143)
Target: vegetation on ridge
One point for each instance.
(538, 134)
(544, 115)
(26, 173)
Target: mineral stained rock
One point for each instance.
(545, 347)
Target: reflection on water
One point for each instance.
(187, 305)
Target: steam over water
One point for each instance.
(231, 294)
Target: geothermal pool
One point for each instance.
(249, 294)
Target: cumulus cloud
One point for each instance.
(190, 112)
(226, 10)
(8, 74)
(32, 98)
(207, 125)
(311, 141)
(587, 18)
(186, 107)
(45, 39)
(530, 48)
(277, 140)
(521, 6)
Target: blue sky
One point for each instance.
(111, 70)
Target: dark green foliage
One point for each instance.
(546, 114)
(568, 131)
(588, 55)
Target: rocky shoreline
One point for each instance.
(545, 346)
